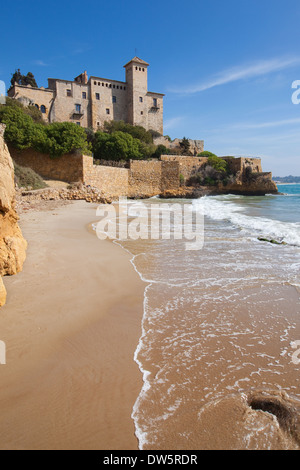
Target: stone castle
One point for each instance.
(89, 102)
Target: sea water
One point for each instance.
(219, 327)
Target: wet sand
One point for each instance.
(71, 325)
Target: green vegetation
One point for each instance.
(137, 132)
(206, 153)
(213, 172)
(185, 146)
(20, 79)
(27, 178)
(122, 141)
(24, 130)
(217, 163)
(116, 146)
(59, 138)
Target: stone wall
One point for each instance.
(241, 163)
(188, 166)
(68, 167)
(112, 181)
(144, 178)
(150, 178)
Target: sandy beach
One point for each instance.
(71, 325)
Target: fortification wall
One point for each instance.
(68, 167)
(149, 178)
(188, 166)
(111, 180)
(239, 164)
(144, 178)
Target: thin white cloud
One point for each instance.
(39, 62)
(263, 125)
(172, 122)
(241, 72)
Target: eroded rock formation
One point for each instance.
(12, 244)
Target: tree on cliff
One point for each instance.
(20, 79)
(185, 146)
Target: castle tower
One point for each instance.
(137, 87)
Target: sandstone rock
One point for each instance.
(77, 191)
(7, 187)
(188, 192)
(258, 184)
(2, 293)
(12, 244)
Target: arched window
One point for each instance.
(43, 109)
(37, 106)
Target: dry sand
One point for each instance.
(71, 325)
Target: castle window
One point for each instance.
(95, 83)
(102, 84)
(143, 70)
(136, 68)
(117, 87)
(114, 99)
(110, 85)
(124, 88)
(98, 83)
(78, 123)
(37, 106)
(141, 99)
(69, 92)
(140, 69)
(114, 86)
(120, 87)
(106, 84)
(155, 102)
(97, 96)
(43, 109)
(78, 108)
(142, 112)
(84, 95)
(107, 111)
(98, 124)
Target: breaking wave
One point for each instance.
(229, 210)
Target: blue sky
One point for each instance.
(226, 67)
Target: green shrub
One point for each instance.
(160, 150)
(53, 139)
(210, 181)
(137, 132)
(59, 138)
(27, 178)
(217, 163)
(206, 153)
(20, 129)
(116, 146)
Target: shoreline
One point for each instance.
(71, 380)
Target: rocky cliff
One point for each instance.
(12, 244)
(254, 184)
